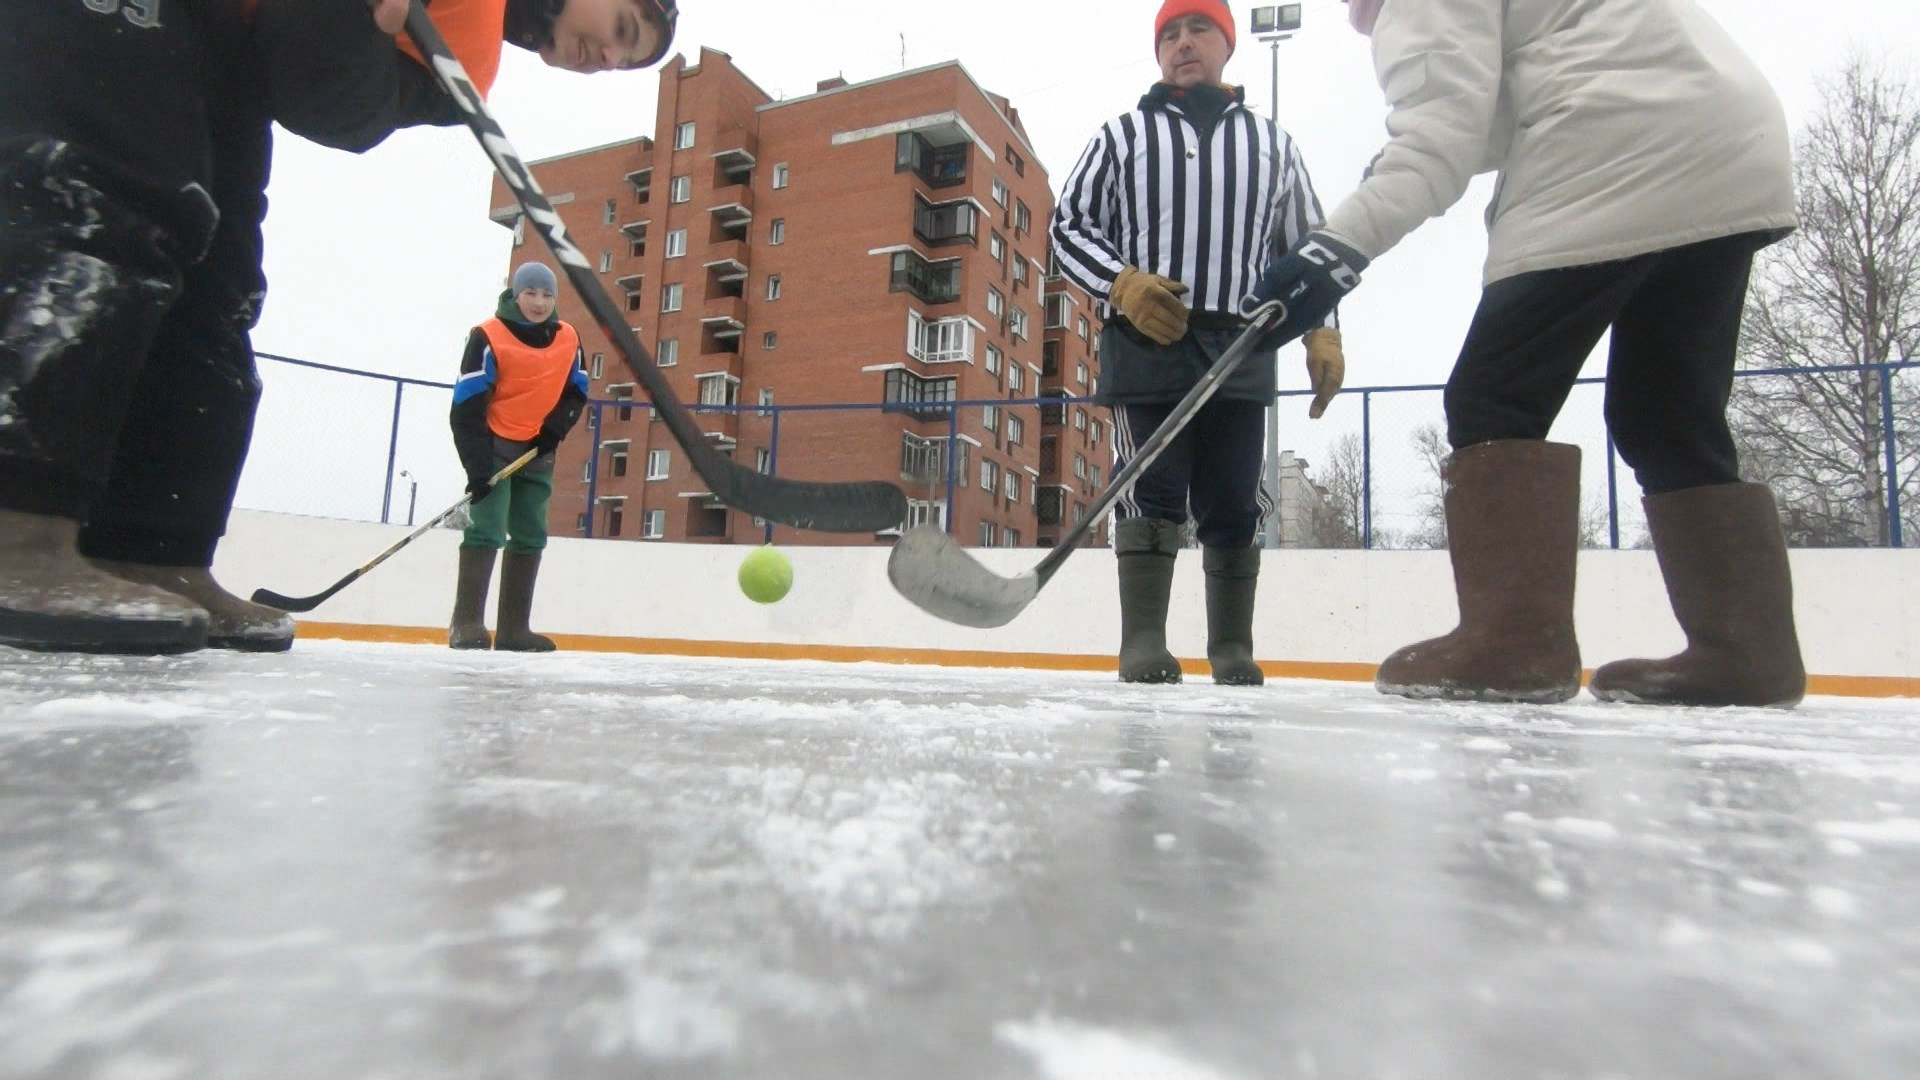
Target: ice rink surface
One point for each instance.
(402, 862)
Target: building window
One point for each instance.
(939, 166)
(683, 136)
(676, 243)
(1016, 378)
(997, 248)
(612, 212)
(633, 300)
(606, 261)
(763, 460)
(1056, 309)
(586, 471)
(1016, 430)
(719, 390)
(624, 396)
(519, 230)
(1079, 419)
(1019, 270)
(1093, 474)
(1000, 192)
(1080, 466)
(933, 282)
(1013, 159)
(777, 232)
(1081, 326)
(773, 286)
(658, 462)
(996, 302)
(670, 298)
(1017, 323)
(681, 189)
(990, 418)
(615, 514)
(1093, 432)
(637, 249)
(669, 353)
(1013, 486)
(653, 525)
(766, 401)
(580, 524)
(939, 224)
(617, 462)
(989, 475)
(1022, 218)
(993, 360)
(922, 512)
(770, 340)
(1049, 359)
(1010, 538)
(599, 368)
(1080, 373)
(987, 534)
(918, 396)
(943, 341)
(781, 175)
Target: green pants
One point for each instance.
(513, 515)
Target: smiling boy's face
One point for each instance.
(1193, 50)
(535, 304)
(607, 35)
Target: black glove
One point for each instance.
(1310, 280)
(547, 442)
(479, 487)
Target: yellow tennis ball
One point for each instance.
(765, 575)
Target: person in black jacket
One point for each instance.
(522, 387)
(135, 141)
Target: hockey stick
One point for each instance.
(863, 506)
(308, 603)
(928, 568)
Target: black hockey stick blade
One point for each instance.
(858, 507)
(298, 604)
(938, 576)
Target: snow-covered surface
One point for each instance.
(394, 862)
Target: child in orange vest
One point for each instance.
(135, 139)
(522, 386)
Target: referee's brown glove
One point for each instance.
(1151, 303)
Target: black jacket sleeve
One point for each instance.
(334, 78)
(573, 401)
(472, 438)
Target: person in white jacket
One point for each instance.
(1643, 160)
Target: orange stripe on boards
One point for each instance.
(1874, 686)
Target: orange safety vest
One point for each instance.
(527, 381)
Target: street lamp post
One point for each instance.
(1274, 25)
(413, 494)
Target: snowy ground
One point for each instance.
(393, 862)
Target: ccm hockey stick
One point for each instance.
(928, 568)
(308, 603)
(858, 507)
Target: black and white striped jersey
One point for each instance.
(1205, 205)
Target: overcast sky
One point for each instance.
(384, 261)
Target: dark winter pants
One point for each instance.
(133, 160)
(1675, 316)
(1212, 466)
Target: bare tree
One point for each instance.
(1342, 484)
(1843, 290)
(1430, 445)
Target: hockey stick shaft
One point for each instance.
(308, 603)
(867, 506)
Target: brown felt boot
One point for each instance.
(232, 623)
(1232, 574)
(1145, 549)
(518, 573)
(469, 627)
(1725, 561)
(53, 600)
(1513, 509)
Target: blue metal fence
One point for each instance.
(322, 470)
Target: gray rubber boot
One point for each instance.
(469, 627)
(53, 600)
(1232, 575)
(1724, 559)
(1145, 549)
(1513, 531)
(518, 574)
(232, 623)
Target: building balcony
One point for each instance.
(735, 214)
(733, 163)
(727, 261)
(629, 283)
(724, 316)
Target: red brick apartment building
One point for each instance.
(883, 243)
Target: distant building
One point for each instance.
(882, 243)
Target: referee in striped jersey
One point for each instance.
(1170, 216)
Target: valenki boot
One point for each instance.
(1145, 550)
(53, 600)
(1513, 510)
(1232, 574)
(518, 573)
(469, 626)
(232, 623)
(1725, 563)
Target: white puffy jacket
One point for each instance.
(1619, 127)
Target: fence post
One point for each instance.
(773, 459)
(1613, 496)
(1366, 469)
(393, 452)
(953, 459)
(594, 419)
(1893, 457)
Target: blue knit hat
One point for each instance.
(534, 275)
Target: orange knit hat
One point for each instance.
(1216, 10)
